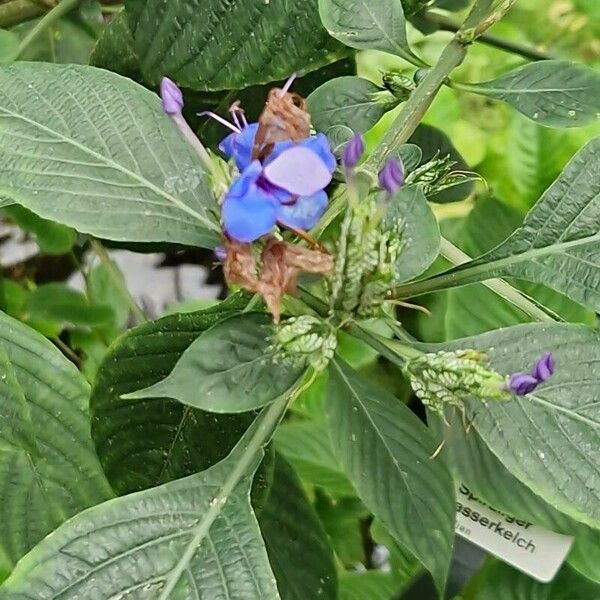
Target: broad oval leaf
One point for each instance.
(92, 150)
(296, 543)
(420, 232)
(212, 45)
(558, 244)
(48, 467)
(229, 368)
(385, 451)
(349, 101)
(187, 538)
(367, 24)
(556, 93)
(143, 443)
(549, 438)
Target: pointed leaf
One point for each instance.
(48, 467)
(349, 101)
(211, 45)
(556, 93)
(188, 538)
(367, 24)
(547, 439)
(386, 451)
(229, 368)
(296, 543)
(143, 443)
(94, 151)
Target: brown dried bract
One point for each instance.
(281, 264)
(284, 117)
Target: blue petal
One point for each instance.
(320, 145)
(304, 213)
(227, 145)
(248, 211)
(244, 142)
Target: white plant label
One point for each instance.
(535, 551)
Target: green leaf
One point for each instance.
(367, 24)
(211, 45)
(350, 101)
(498, 581)
(94, 151)
(370, 585)
(115, 49)
(546, 439)
(386, 451)
(103, 288)
(585, 557)
(189, 537)
(487, 224)
(229, 368)
(307, 446)
(48, 467)
(52, 238)
(558, 243)
(143, 443)
(420, 232)
(62, 304)
(555, 93)
(296, 543)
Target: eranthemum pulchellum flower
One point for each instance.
(521, 384)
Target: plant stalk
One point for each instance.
(416, 106)
(45, 23)
(105, 259)
(443, 281)
(447, 24)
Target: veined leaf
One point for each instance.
(556, 93)
(307, 446)
(187, 538)
(214, 45)
(420, 232)
(549, 438)
(48, 467)
(367, 24)
(349, 101)
(558, 244)
(370, 585)
(143, 443)
(296, 543)
(94, 151)
(229, 368)
(385, 451)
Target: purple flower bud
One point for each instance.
(391, 177)
(544, 367)
(171, 97)
(220, 253)
(521, 384)
(353, 151)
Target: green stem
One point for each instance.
(45, 23)
(416, 106)
(105, 259)
(447, 24)
(248, 448)
(452, 279)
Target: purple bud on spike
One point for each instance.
(353, 151)
(171, 97)
(521, 384)
(391, 177)
(544, 367)
(220, 253)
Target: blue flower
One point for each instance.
(521, 384)
(286, 188)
